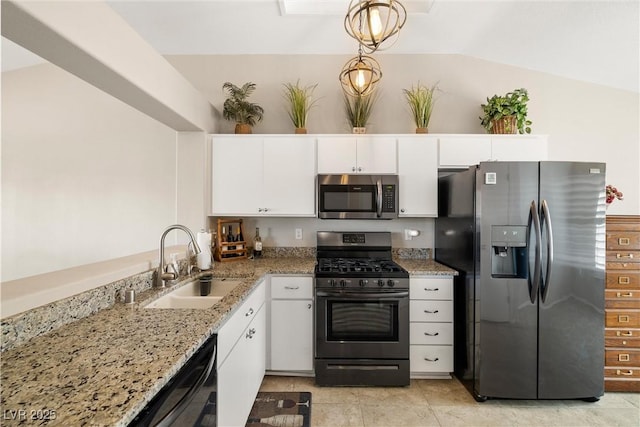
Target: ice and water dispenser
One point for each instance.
(509, 251)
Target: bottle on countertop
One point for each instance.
(239, 238)
(223, 239)
(257, 246)
(231, 238)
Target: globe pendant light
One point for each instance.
(371, 22)
(360, 75)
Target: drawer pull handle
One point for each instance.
(623, 357)
(624, 333)
(624, 241)
(627, 295)
(627, 373)
(309, 306)
(623, 280)
(431, 289)
(429, 334)
(251, 333)
(431, 360)
(628, 256)
(431, 312)
(249, 313)
(623, 318)
(292, 288)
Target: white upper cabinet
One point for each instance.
(461, 151)
(236, 175)
(367, 154)
(263, 175)
(519, 147)
(418, 176)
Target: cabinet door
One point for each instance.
(376, 154)
(236, 170)
(418, 176)
(462, 151)
(291, 335)
(240, 375)
(289, 176)
(519, 148)
(337, 154)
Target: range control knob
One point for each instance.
(364, 282)
(343, 283)
(391, 283)
(331, 282)
(381, 283)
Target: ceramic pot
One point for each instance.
(243, 128)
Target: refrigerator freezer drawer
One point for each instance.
(431, 358)
(431, 333)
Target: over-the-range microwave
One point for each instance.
(357, 196)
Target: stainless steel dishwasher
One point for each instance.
(189, 399)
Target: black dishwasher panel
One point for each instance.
(189, 398)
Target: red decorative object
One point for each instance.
(613, 193)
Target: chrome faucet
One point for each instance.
(162, 275)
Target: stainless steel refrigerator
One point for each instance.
(528, 239)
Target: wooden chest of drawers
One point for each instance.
(622, 302)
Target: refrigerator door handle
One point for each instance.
(535, 284)
(546, 224)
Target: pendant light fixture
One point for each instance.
(371, 22)
(360, 75)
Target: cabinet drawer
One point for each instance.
(239, 320)
(623, 223)
(622, 319)
(623, 240)
(431, 288)
(622, 299)
(622, 373)
(291, 287)
(431, 333)
(623, 256)
(430, 311)
(624, 338)
(623, 279)
(622, 358)
(633, 266)
(431, 358)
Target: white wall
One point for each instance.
(584, 121)
(85, 177)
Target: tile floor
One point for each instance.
(448, 403)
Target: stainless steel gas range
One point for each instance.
(362, 311)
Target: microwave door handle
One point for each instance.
(379, 198)
(171, 416)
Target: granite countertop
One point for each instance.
(103, 369)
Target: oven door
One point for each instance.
(362, 324)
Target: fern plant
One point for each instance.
(300, 102)
(237, 108)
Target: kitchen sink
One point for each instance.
(188, 296)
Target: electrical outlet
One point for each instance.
(298, 233)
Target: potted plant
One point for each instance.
(420, 99)
(507, 114)
(236, 107)
(358, 109)
(300, 102)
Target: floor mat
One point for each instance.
(281, 409)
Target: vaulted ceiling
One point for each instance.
(592, 41)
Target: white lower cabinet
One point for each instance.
(431, 326)
(241, 360)
(291, 343)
